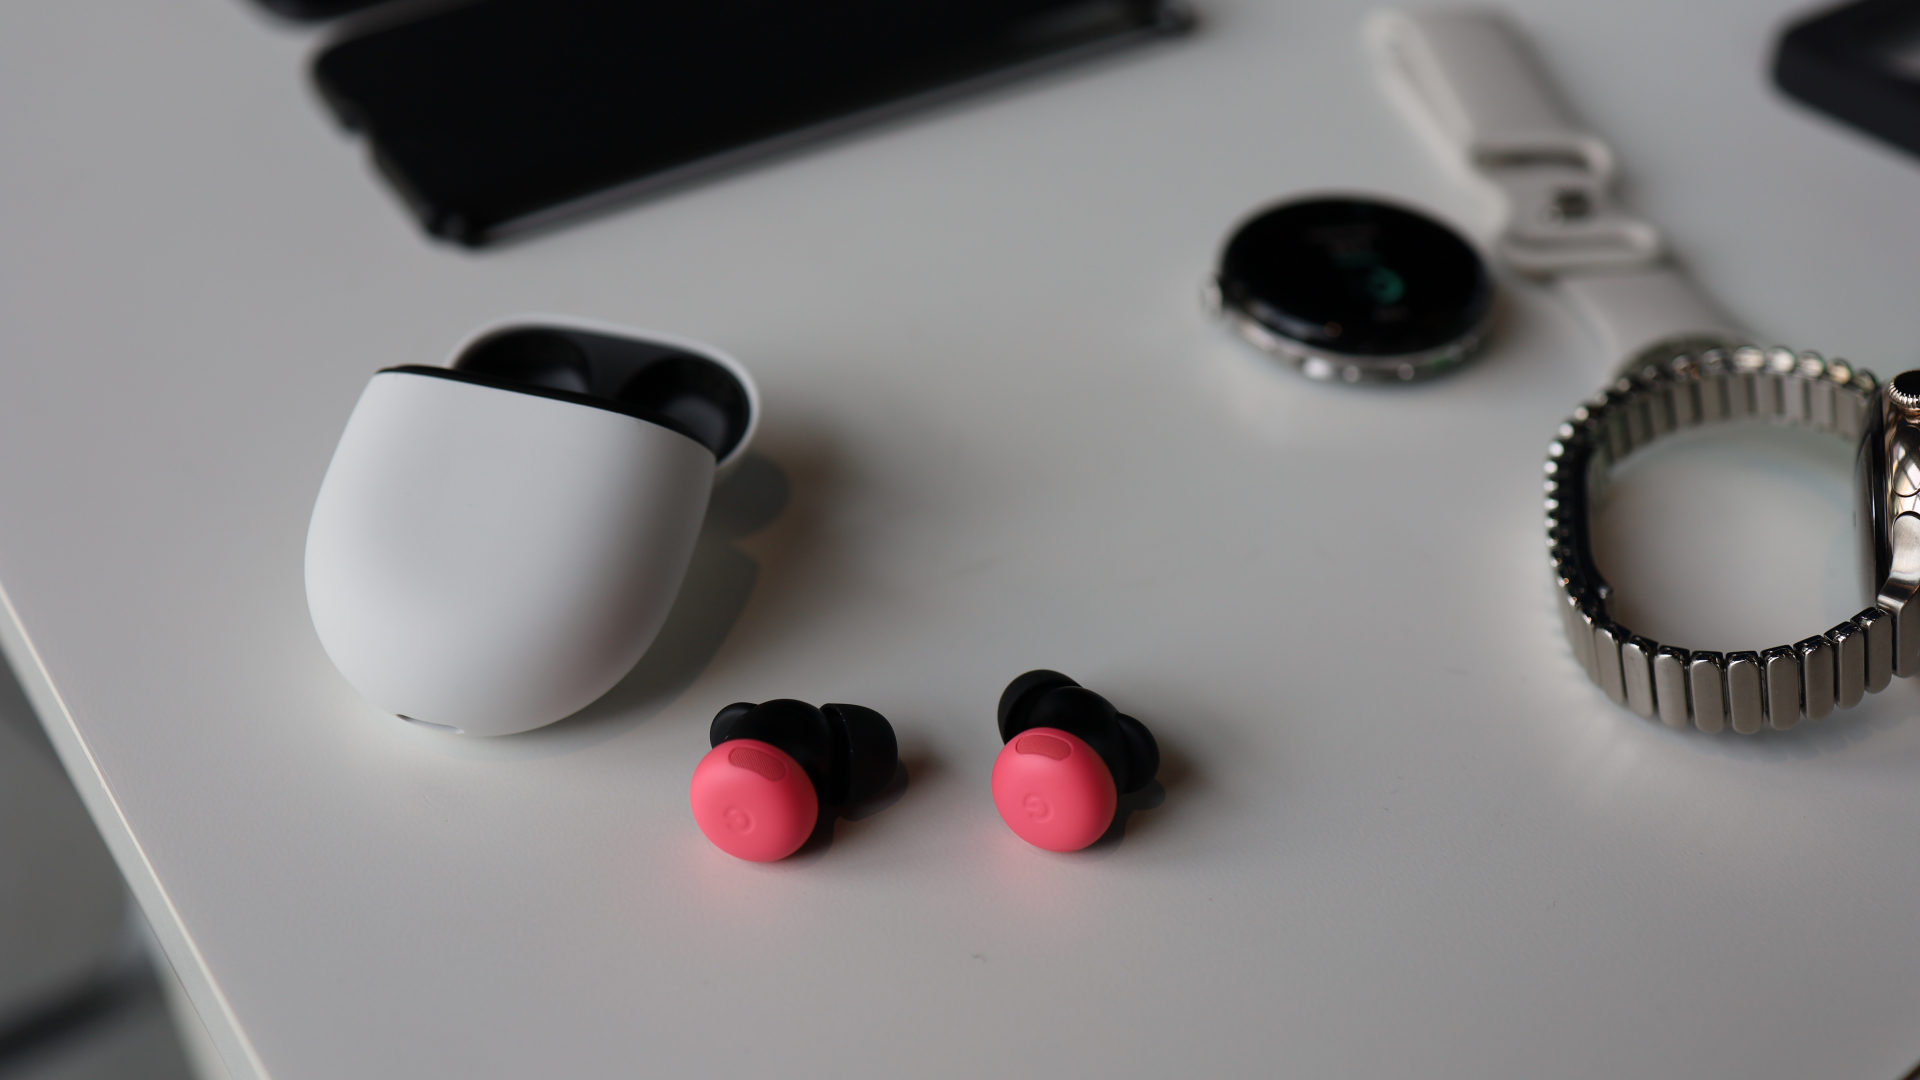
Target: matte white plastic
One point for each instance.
(1471, 86)
(1468, 82)
(1634, 310)
(1480, 90)
(492, 561)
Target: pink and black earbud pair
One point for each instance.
(777, 766)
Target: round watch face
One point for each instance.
(1354, 288)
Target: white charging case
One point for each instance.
(496, 542)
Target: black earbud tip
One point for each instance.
(1018, 699)
(798, 729)
(1143, 753)
(723, 721)
(873, 753)
(1086, 715)
(534, 356)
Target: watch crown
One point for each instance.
(1904, 391)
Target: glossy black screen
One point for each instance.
(1356, 277)
(486, 115)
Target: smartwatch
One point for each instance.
(1354, 289)
(1775, 687)
(1471, 87)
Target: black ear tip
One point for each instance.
(865, 725)
(723, 721)
(1143, 752)
(1020, 695)
(699, 393)
(532, 355)
(873, 750)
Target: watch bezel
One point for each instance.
(1234, 294)
(1328, 365)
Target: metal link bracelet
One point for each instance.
(1774, 687)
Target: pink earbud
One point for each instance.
(758, 794)
(1067, 759)
(753, 801)
(1053, 790)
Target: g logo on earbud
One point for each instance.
(737, 820)
(1036, 807)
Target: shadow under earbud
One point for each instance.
(1175, 773)
(1147, 798)
(719, 582)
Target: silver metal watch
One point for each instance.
(1780, 686)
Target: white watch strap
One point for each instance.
(1470, 84)
(1648, 315)
(1483, 93)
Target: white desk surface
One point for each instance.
(1402, 835)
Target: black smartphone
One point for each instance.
(1859, 62)
(315, 9)
(504, 115)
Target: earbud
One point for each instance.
(774, 766)
(1068, 758)
(535, 356)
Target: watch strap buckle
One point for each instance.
(1469, 83)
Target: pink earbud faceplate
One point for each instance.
(1052, 790)
(753, 801)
